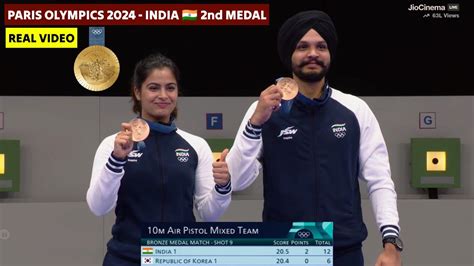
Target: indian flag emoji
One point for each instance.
(189, 14)
(147, 251)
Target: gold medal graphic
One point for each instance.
(140, 129)
(288, 87)
(96, 68)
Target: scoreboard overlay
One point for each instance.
(237, 243)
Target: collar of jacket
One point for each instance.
(162, 128)
(315, 102)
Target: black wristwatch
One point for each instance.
(396, 241)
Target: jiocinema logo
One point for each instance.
(425, 7)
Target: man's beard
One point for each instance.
(311, 76)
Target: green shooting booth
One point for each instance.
(435, 163)
(9, 165)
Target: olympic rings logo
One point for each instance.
(183, 159)
(96, 31)
(303, 234)
(340, 135)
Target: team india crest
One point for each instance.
(182, 155)
(339, 130)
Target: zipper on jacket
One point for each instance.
(313, 152)
(162, 176)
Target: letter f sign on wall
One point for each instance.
(214, 121)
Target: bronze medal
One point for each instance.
(288, 87)
(140, 129)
